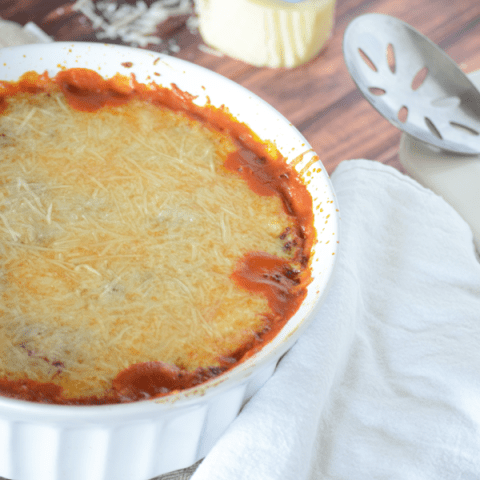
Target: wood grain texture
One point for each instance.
(319, 98)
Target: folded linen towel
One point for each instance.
(12, 33)
(385, 384)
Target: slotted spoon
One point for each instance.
(413, 83)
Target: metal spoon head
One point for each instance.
(414, 84)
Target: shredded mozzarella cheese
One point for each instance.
(119, 230)
(133, 24)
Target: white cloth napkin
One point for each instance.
(385, 384)
(12, 33)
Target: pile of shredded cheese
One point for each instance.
(119, 230)
(134, 24)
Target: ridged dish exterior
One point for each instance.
(136, 449)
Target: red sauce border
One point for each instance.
(264, 172)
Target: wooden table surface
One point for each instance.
(319, 98)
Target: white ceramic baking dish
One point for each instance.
(141, 440)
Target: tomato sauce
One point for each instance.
(257, 272)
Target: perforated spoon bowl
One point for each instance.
(413, 83)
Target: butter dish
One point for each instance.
(267, 33)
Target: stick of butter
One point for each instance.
(272, 33)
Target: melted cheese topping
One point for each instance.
(119, 231)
